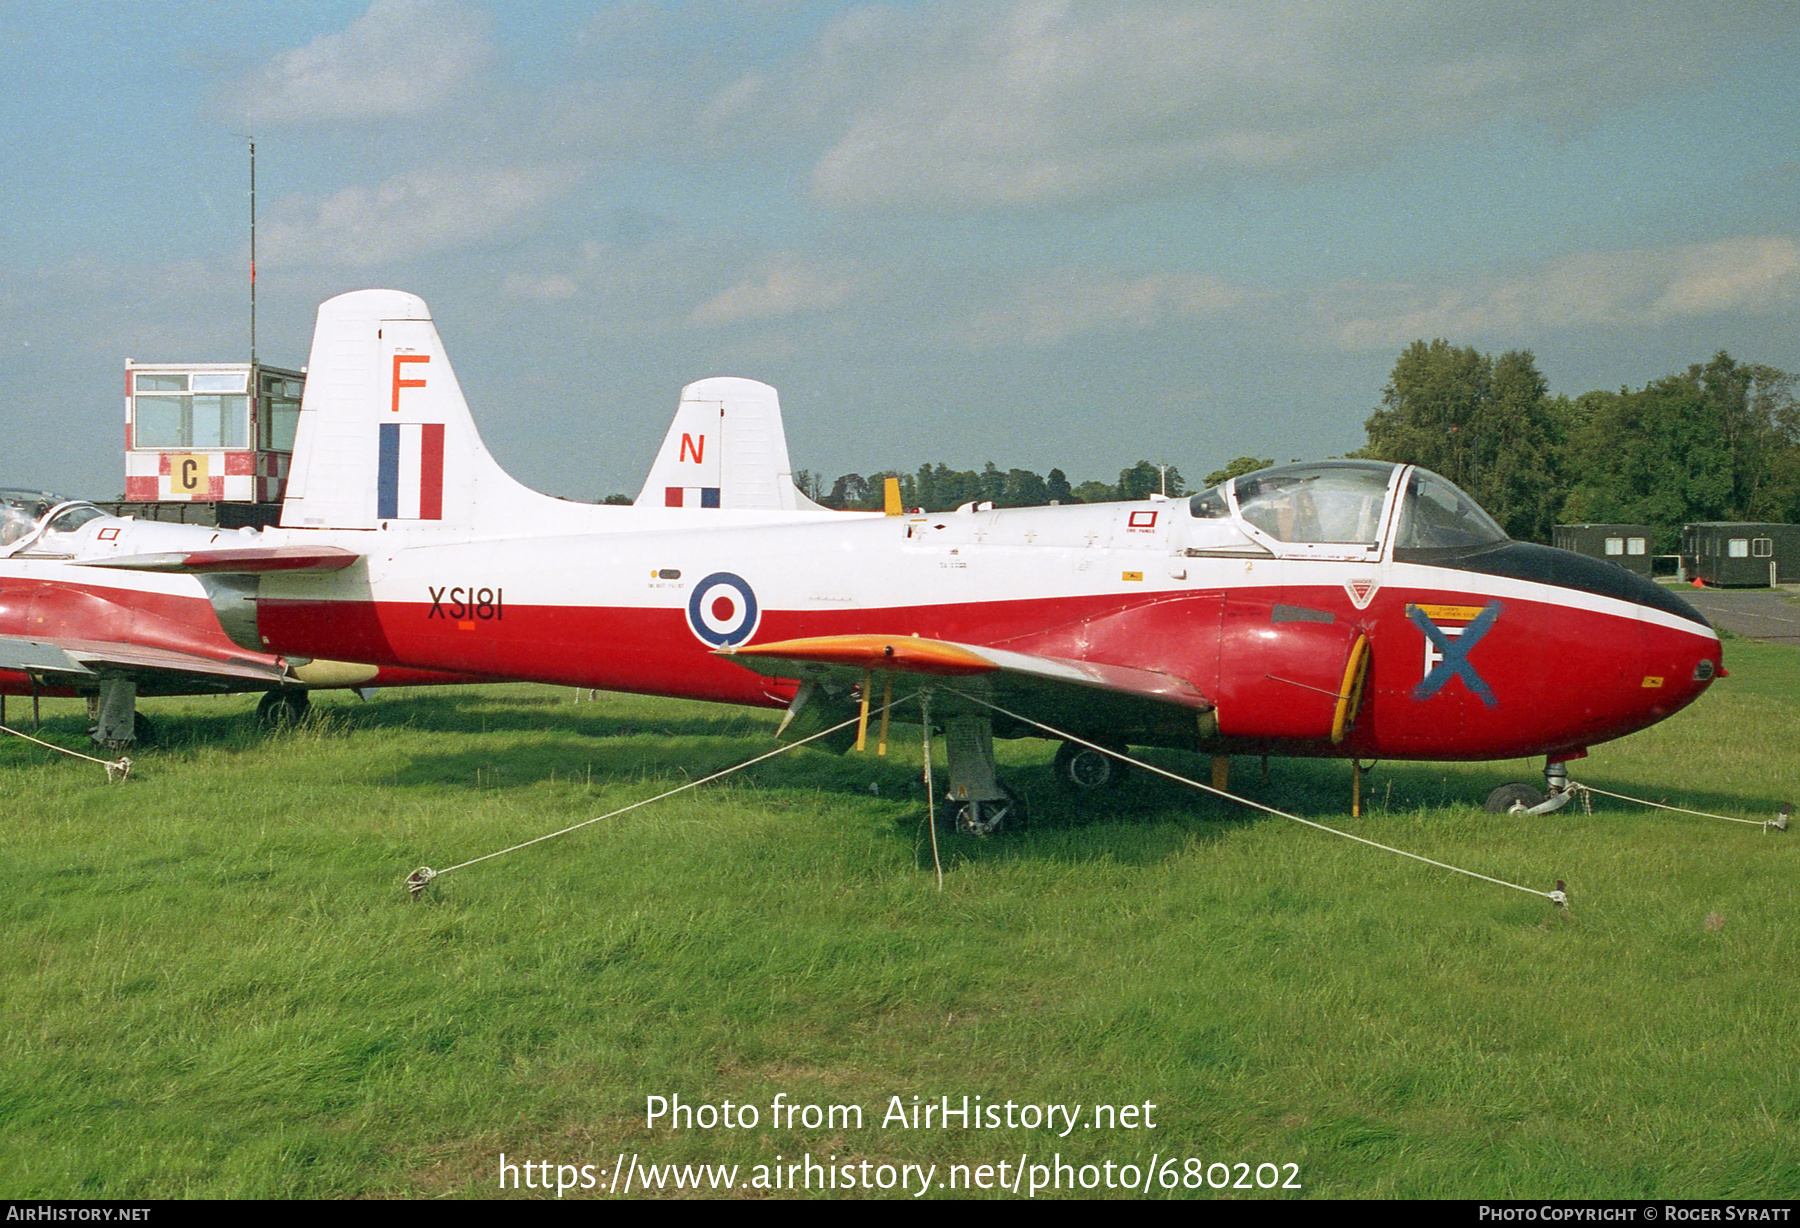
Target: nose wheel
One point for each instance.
(1520, 798)
(1513, 799)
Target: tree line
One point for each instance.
(1719, 441)
(939, 488)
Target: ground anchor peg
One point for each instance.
(419, 879)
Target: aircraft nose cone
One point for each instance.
(1678, 667)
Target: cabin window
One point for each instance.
(1738, 548)
(1635, 546)
(280, 416)
(1615, 545)
(1762, 548)
(205, 410)
(158, 421)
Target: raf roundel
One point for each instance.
(722, 610)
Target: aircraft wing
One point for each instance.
(1056, 690)
(247, 559)
(67, 662)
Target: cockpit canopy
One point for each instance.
(21, 511)
(1438, 517)
(28, 517)
(1328, 503)
(1345, 510)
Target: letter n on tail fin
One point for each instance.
(725, 449)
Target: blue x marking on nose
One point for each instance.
(1455, 654)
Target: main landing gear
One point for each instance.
(1087, 770)
(285, 708)
(116, 724)
(1521, 798)
(981, 805)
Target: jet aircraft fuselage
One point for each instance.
(1477, 649)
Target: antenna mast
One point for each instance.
(252, 141)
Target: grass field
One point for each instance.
(212, 984)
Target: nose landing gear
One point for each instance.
(1520, 798)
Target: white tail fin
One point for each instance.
(725, 449)
(384, 432)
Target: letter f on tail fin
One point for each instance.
(725, 449)
(384, 433)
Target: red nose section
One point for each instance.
(1678, 667)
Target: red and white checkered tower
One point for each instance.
(208, 432)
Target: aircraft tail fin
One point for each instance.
(725, 449)
(384, 434)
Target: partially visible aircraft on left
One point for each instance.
(71, 628)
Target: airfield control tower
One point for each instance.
(208, 442)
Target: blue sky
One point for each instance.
(1038, 233)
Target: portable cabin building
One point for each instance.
(1628, 545)
(1741, 553)
(199, 433)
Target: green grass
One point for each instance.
(212, 984)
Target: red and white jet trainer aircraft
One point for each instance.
(73, 624)
(1342, 608)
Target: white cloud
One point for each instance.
(1047, 100)
(1618, 289)
(1050, 309)
(401, 58)
(781, 288)
(407, 215)
(542, 286)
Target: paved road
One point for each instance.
(1753, 614)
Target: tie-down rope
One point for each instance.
(417, 881)
(1558, 897)
(1779, 822)
(116, 769)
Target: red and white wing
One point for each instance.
(242, 561)
(70, 662)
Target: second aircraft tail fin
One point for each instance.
(725, 449)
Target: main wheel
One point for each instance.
(1085, 769)
(283, 709)
(1513, 798)
(987, 818)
